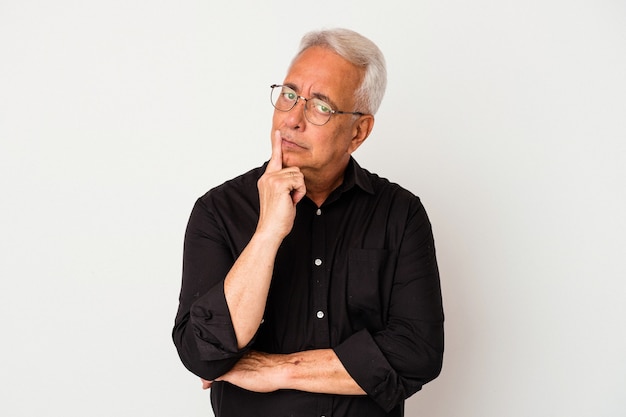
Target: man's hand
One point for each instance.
(206, 384)
(280, 189)
(255, 371)
(258, 372)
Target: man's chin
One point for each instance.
(290, 160)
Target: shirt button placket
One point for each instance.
(320, 282)
(320, 314)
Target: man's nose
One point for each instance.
(295, 117)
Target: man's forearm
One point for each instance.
(318, 371)
(247, 284)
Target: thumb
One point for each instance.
(276, 161)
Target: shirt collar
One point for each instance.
(354, 175)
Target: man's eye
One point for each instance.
(290, 96)
(322, 108)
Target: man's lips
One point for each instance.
(290, 143)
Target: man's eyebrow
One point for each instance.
(322, 97)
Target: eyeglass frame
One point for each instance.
(306, 100)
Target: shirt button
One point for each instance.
(320, 314)
(319, 213)
(318, 262)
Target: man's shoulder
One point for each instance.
(383, 186)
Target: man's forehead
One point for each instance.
(322, 73)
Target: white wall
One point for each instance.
(508, 118)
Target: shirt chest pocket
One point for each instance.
(370, 277)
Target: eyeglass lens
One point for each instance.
(315, 110)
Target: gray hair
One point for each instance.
(360, 51)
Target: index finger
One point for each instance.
(276, 161)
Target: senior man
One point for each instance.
(310, 285)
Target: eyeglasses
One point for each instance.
(316, 111)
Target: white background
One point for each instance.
(508, 118)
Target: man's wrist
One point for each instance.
(266, 239)
(284, 370)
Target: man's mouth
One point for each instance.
(290, 143)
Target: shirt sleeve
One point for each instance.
(392, 364)
(203, 332)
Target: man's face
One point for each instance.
(318, 72)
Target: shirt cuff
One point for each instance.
(370, 369)
(212, 326)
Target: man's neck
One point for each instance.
(319, 187)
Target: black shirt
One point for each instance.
(357, 275)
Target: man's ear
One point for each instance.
(361, 131)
